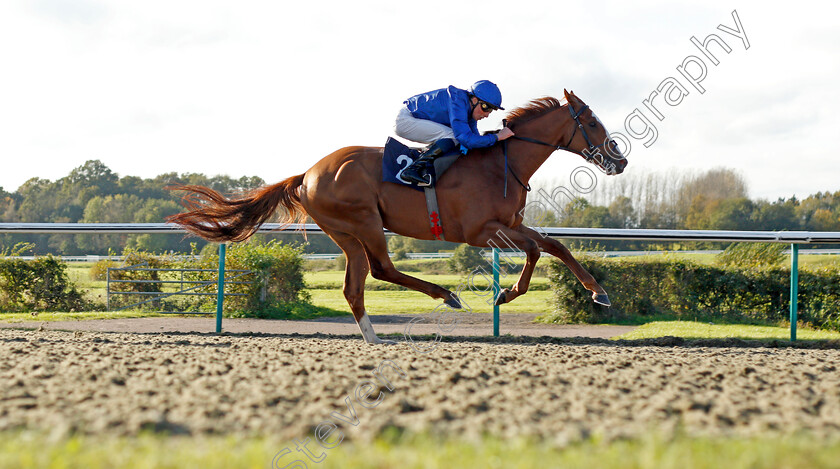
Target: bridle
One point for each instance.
(590, 155)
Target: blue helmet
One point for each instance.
(488, 92)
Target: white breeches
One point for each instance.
(420, 130)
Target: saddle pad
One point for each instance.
(395, 159)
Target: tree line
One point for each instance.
(715, 199)
(92, 193)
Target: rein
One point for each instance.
(576, 117)
(508, 168)
(588, 155)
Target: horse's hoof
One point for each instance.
(500, 300)
(453, 302)
(601, 299)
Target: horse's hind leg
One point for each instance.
(373, 239)
(354, 283)
(556, 249)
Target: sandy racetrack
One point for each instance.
(560, 390)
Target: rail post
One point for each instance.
(108, 289)
(794, 289)
(496, 290)
(220, 295)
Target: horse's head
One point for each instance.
(591, 139)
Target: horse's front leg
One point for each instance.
(501, 236)
(556, 249)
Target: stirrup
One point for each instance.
(425, 182)
(414, 176)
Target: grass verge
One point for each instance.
(300, 311)
(699, 330)
(78, 316)
(22, 450)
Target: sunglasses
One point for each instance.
(486, 107)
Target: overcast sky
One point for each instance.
(267, 88)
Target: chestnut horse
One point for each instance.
(345, 195)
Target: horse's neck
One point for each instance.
(549, 128)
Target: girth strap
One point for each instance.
(434, 212)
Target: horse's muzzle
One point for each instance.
(620, 164)
(611, 166)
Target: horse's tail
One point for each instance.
(215, 217)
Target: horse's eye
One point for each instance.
(592, 124)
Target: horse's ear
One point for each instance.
(566, 94)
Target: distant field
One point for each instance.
(806, 261)
(332, 279)
(79, 273)
(412, 302)
(386, 298)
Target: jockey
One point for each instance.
(447, 118)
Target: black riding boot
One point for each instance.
(419, 172)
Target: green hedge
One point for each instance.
(685, 290)
(273, 289)
(38, 285)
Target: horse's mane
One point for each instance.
(535, 108)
